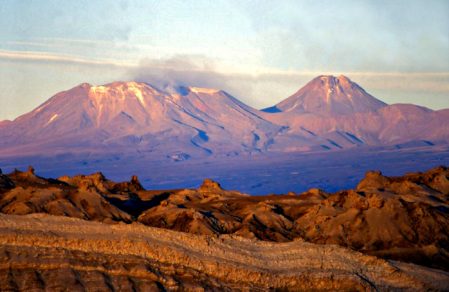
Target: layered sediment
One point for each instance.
(41, 252)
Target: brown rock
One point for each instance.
(403, 218)
(374, 180)
(30, 170)
(210, 186)
(80, 255)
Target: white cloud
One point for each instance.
(54, 57)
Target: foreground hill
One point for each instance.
(41, 253)
(403, 218)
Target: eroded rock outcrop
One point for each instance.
(82, 199)
(403, 218)
(41, 252)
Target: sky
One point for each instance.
(259, 51)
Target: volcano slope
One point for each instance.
(398, 218)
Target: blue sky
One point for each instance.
(259, 51)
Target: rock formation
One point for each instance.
(404, 219)
(41, 253)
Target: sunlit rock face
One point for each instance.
(41, 252)
(401, 218)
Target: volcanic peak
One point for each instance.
(327, 94)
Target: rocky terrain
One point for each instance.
(40, 252)
(402, 218)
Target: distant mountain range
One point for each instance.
(178, 123)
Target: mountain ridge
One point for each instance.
(126, 109)
(328, 113)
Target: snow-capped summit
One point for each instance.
(328, 94)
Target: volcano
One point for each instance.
(138, 116)
(329, 95)
(328, 113)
